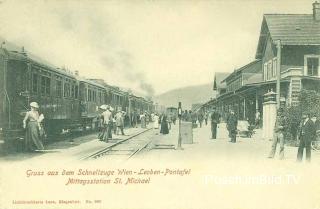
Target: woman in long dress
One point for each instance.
(32, 124)
(143, 120)
(155, 121)
(164, 129)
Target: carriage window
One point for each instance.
(66, 92)
(34, 83)
(89, 95)
(47, 85)
(72, 91)
(43, 85)
(94, 95)
(59, 88)
(100, 97)
(76, 92)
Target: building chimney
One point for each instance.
(316, 11)
(23, 52)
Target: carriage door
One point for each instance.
(17, 91)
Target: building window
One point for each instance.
(269, 70)
(265, 69)
(312, 66)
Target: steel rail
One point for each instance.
(109, 148)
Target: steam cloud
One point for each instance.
(121, 62)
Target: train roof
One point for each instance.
(81, 79)
(15, 52)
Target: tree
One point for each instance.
(309, 103)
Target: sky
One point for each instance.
(148, 46)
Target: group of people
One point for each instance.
(195, 117)
(231, 122)
(110, 122)
(309, 128)
(164, 121)
(306, 133)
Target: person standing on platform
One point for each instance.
(169, 120)
(279, 128)
(174, 119)
(200, 118)
(135, 119)
(232, 123)
(215, 119)
(32, 124)
(194, 119)
(206, 117)
(164, 129)
(185, 115)
(143, 120)
(306, 134)
(107, 124)
(102, 126)
(257, 119)
(119, 117)
(156, 121)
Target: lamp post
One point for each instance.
(179, 115)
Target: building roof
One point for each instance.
(290, 29)
(218, 78)
(253, 67)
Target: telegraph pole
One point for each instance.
(179, 115)
(278, 72)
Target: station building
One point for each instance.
(291, 41)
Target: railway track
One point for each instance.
(126, 148)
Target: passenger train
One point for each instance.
(67, 100)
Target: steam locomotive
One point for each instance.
(67, 100)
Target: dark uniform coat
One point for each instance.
(232, 122)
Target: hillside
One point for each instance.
(187, 95)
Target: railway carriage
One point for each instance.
(26, 79)
(66, 100)
(92, 95)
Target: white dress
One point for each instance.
(156, 122)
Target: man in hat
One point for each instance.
(279, 128)
(306, 134)
(107, 123)
(215, 118)
(119, 122)
(232, 123)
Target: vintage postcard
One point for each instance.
(153, 104)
